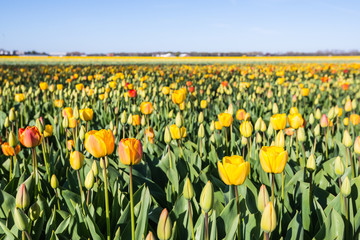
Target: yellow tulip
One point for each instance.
(146, 108)
(100, 143)
(278, 121)
(166, 90)
(233, 170)
(218, 125)
(86, 114)
(178, 97)
(295, 120)
(48, 131)
(43, 85)
(225, 119)
(246, 129)
(175, 132)
(76, 160)
(19, 97)
(294, 110)
(305, 92)
(203, 104)
(273, 159)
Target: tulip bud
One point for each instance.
(34, 211)
(65, 122)
(348, 106)
(317, 114)
(178, 121)
(268, 219)
(94, 168)
(7, 122)
(76, 160)
(246, 129)
(143, 121)
(301, 134)
(54, 182)
(123, 117)
(39, 125)
(243, 141)
(76, 113)
(167, 135)
(317, 130)
(263, 198)
(346, 121)
(258, 138)
(357, 145)
(20, 219)
(201, 117)
(311, 165)
(331, 113)
(339, 167)
(164, 228)
(311, 119)
(280, 139)
(188, 191)
(347, 140)
(111, 125)
(354, 104)
(263, 126)
(82, 133)
(89, 180)
(12, 140)
(270, 130)
(12, 115)
(324, 121)
(346, 187)
(201, 132)
(275, 108)
(258, 124)
(207, 197)
(22, 197)
(106, 163)
(150, 236)
(212, 126)
(130, 119)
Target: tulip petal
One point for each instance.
(223, 174)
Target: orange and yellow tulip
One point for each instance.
(30, 136)
(130, 151)
(100, 143)
(146, 108)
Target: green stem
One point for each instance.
(282, 185)
(132, 205)
(45, 160)
(206, 226)
(81, 190)
(27, 235)
(10, 170)
(191, 220)
(238, 210)
(57, 198)
(272, 187)
(352, 163)
(33, 150)
(326, 148)
(106, 200)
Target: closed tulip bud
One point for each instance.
(230, 109)
(201, 132)
(280, 139)
(246, 129)
(348, 106)
(347, 140)
(34, 211)
(337, 110)
(20, 219)
(111, 125)
(311, 119)
(54, 182)
(244, 141)
(55, 120)
(357, 145)
(354, 104)
(150, 236)
(212, 126)
(89, 180)
(311, 165)
(6, 122)
(207, 197)
(94, 168)
(12, 140)
(270, 130)
(317, 130)
(171, 114)
(143, 121)
(106, 160)
(301, 134)
(258, 124)
(263, 198)
(201, 117)
(82, 133)
(317, 114)
(130, 119)
(258, 138)
(12, 115)
(339, 166)
(22, 197)
(188, 191)
(76, 113)
(263, 126)
(164, 228)
(324, 122)
(167, 135)
(346, 121)
(123, 117)
(331, 113)
(268, 219)
(65, 122)
(275, 108)
(76, 160)
(39, 125)
(346, 187)
(178, 121)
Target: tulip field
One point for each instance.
(248, 150)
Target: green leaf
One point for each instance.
(333, 228)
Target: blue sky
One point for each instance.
(159, 25)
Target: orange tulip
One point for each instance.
(355, 119)
(130, 151)
(146, 108)
(9, 151)
(59, 103)
(100, 143)
(30, 136)
(136, 120)
(150, 134)
(240, 114)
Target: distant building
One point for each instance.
(57, 54)
(164, 55)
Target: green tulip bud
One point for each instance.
(12, 140)
(263, 198)
(164, 228)
(275, 108)
(143, 121)
(129, 120)
(270, 130)
(106, 163)
(339, 167)
(263, 126)
(65, 122)
(178, 120)
(55, 120)
(82, 133)
(317, 130)
(188, 191)
(201, 132)
(311, 119)
(171, 114)
(268, 219)
(258, 124)
(331, 114)
(258, 138)
(301, 134)
(7, 122)
(201, 117)
(346, 187)
(39, 125)
(22, 197)
(212, 126)
(123, 117)
(34, 211)
(167, 135)
(150, 236)
(20, 219)
(311, 164)
(89, 180)
(318, 114)
(111, 125)
(12, 115)
(207, 197)
(76, 113)
(94, 168)
(347, 140)
(54, 182)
